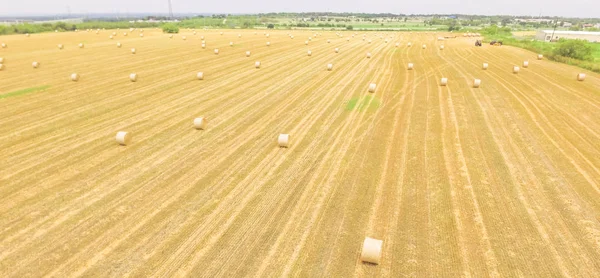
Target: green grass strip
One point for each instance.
(25, 91)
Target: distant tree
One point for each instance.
(577, 49)
(349, 27)
(170, 28)
(405, 19)
(270, 26)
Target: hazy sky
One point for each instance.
(573, 8)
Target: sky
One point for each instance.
(570, 8)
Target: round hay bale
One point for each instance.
(81, 45)
(247, 53)
(203, 45)
(27, 35)
(371, 250)
(485, 66)
(409, 44)
(216, 51)
(133, 77)
(125, 34)
(540, 56)
(257, 64)
(444, 81)
(386, 41)
(424, 46)
(328, 41)
(114, 34)
(133, 51)
(141, 30)
(309, 53)
(4, 45)
(410, 66)
(268, 35)
(1, 60)
(123, 138)
(202, 37)
(170, 36)
(230, 43)
(110, 37)
(580, 76)
(305, 42)
(200, 123)
(119, 45)
(309, 38)
(283, 140)
(221, 33)
(329, 67)
(239, 35)
(1, 67)
(525, 64)
(372, 87)
(35, 65)
(369, 42)
(200, 75)
(141, 35)
(368, 55)
(75, 77)
(476, 83)
(194, 33)
(268, 43)
(60, 46)
(337, 50)
(516, 69)
(131, 30)
(442, 47)
(184, 38)
(397, 44)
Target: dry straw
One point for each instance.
(283, 140)
(123, 138)
(200, 123)
(371, 250)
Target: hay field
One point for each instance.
(502, 180)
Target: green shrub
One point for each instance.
(577, 49)
(271, 26)
(349, 27)
(170, 28)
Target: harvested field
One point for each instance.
(501, 180)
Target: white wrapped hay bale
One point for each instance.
(123, 138)
(200, 123)
(200, 75)
(329, 67)
(580, 76)
(309, 38)
(35, 65)
(203, 45)
(133, 51)
(525, 64)
(257, 64)
(247, 53)
(305, 42)
(216, 51)
(476, 83)
(119, 45)
(60, 46)
(410, 66)
(309, 53)
(81, 45)
(444, 81)
(4, 45)
(371, 250)
(75, 77)
(268, 43)
(114, 34)
(368, 55)
(540, 56)
(283, 140)
(133, 77)
(516, 69)
(485, 66)
(337, 50)
(372, 87)
(424, 46)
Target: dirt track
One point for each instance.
(503, 180)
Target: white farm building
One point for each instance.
(546, 35)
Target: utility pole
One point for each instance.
(555, 24)
(170, 10)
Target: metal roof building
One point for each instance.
(546, 35)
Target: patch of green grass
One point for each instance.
(25, 91)
(367, 103)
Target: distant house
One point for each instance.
(567, 24)
(546, 35)
(588, 25)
